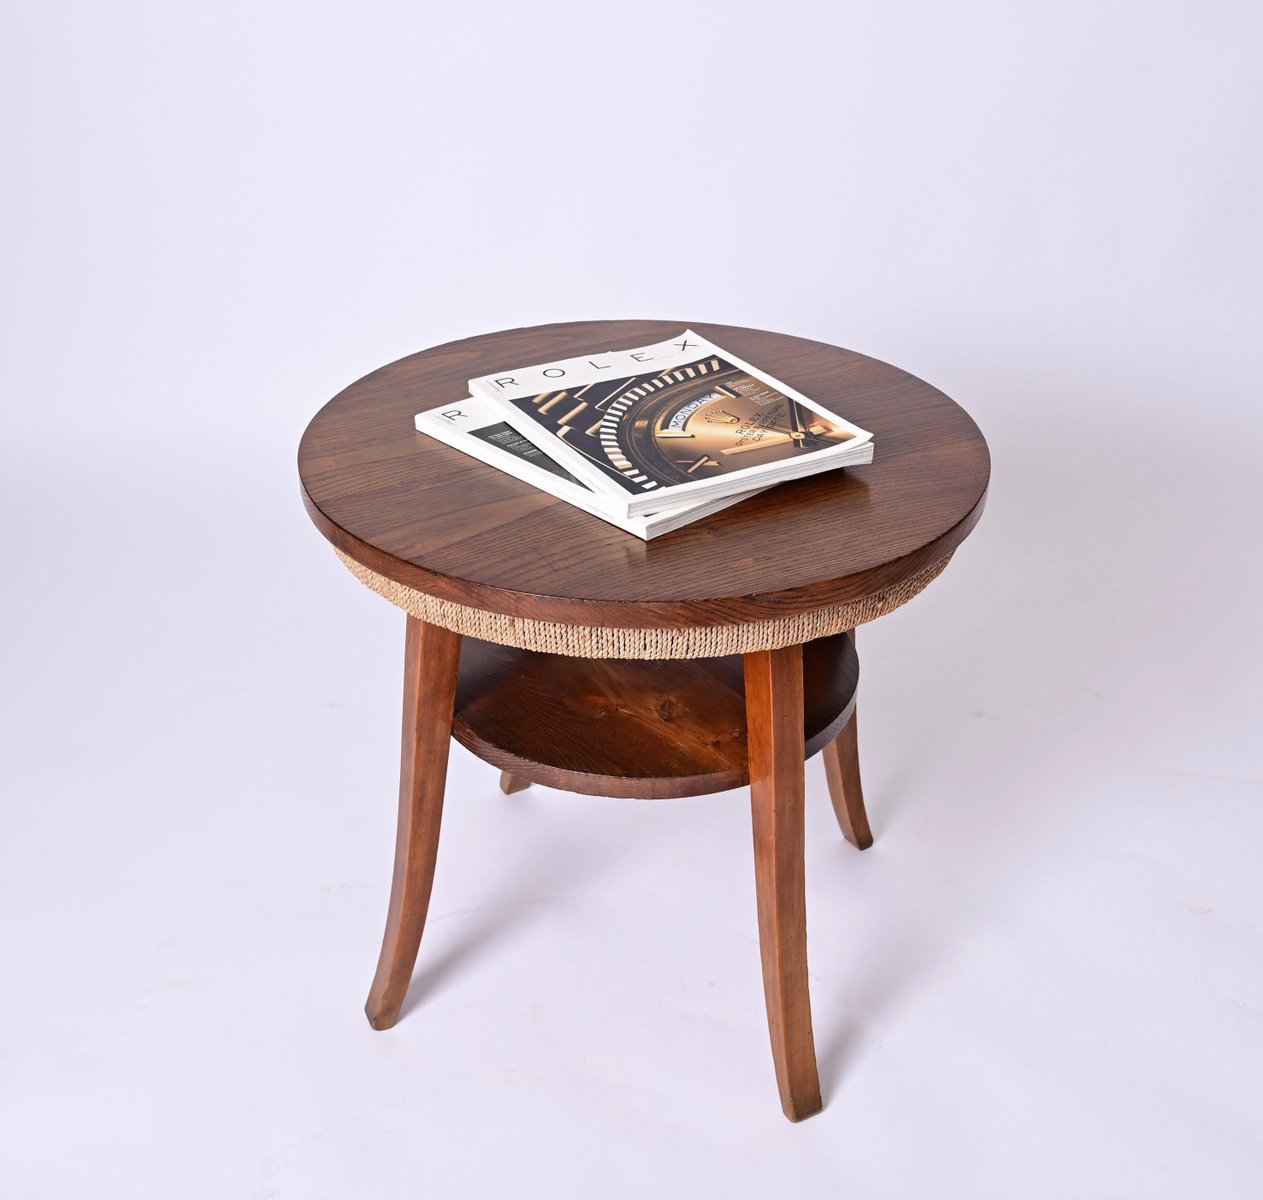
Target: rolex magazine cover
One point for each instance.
(476, 428)
(678, 421)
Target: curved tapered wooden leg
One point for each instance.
(842, 769)
(510, 783)
(774, 709)
(431, 659)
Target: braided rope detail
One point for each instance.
(600, 641)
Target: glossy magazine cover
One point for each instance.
(687, 418)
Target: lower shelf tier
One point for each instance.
(632, 727)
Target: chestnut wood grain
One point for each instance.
(842, 769)
(430, 517)
(510, 783)
(431, 660)
(638, 728)
(774, 698)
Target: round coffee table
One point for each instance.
(569, 653)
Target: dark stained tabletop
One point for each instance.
(430, 517)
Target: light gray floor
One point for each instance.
(1044, 979)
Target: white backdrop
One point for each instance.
(1044, 980)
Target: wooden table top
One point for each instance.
(421, 513)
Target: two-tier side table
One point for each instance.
(568, 653)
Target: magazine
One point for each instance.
(476, 428)
(677, 421)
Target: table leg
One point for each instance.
(431, 659)
(842, 769)
(774, 708)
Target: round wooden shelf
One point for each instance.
(638, 728)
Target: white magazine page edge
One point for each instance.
(433, 423)
(815, 464)
(484, 410)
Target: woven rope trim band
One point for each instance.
(599, 641)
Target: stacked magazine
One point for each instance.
(648, 439)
